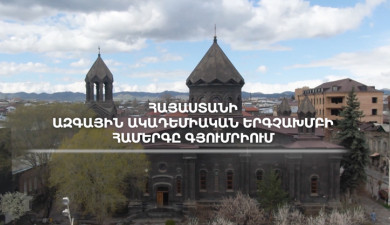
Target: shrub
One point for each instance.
(241, 209)
(170, 222)
(193, 221)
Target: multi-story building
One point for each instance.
(330, 97)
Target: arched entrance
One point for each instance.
(162, 196)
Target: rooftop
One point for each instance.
(215, 68)
(344, 85)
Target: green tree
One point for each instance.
(5, 161)
(32, 128)
(270, 192)
(96, 182)
(355, 161)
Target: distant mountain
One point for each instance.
(286, 94)
(141, 96)
(386, 91)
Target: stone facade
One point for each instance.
(308, 166)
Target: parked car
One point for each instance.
(383, 194)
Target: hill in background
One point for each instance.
(141, 96)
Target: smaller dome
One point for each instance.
(284, 108)
(99, 72)
(306, 106)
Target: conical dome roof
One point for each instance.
(306, 106)
(99, 71)
(284, 107)
(215, 68)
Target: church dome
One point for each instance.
(215, 68)
(99, 72)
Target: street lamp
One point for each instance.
(66, 212)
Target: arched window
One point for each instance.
(216, 99)
(202, 100)
(229, 100)
(146, 191)
(202, 180)
(314, 185)
(259, 175)
(216, 180)
(229, 180)
(178, 185)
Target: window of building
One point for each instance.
(374, 112)
(202, 100)
(336, 100)
(335, 88)
(216, 100)
(216, 180)
(229, 180)
(314, 185)
(203, 180)
(162, 167)
(30, 185)
(363, 88)
(259, 175)
(25, 187)
(35, 183)
(146, 191)
(178, 185)
(335, 112)
(374, 100)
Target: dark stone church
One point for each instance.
(308, 166)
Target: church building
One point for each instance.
(203, 174)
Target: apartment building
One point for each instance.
(329, 98)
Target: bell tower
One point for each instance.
(99, 88)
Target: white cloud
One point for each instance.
(81, 63)
(262, 69)
(47, 87)
(278, 88)
(154, 87)
(369, 67)
(166, 57)
(167, 75)
(41, 87)
(111, 62)
(125, 26)
(11, 68)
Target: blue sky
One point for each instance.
(276, 45)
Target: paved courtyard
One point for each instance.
(382, 214)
